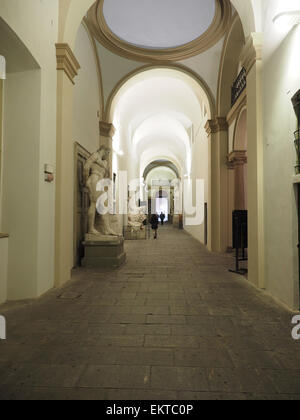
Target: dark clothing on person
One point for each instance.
(154, 224)
(162, 218)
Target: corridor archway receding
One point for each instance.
(71, 13)
(159, 114)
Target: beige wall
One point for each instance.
(199, 171)
(21, 136)
(31, 238)
(86, 94)
(3, 268)
(281, 79)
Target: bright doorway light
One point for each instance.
(162, 206)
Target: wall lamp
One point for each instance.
(287, 20)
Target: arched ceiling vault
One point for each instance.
(161, 163)
(158, 111)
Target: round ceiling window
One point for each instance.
(159, 24)
(159, 30)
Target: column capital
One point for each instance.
(230, 165)
(106, 129)
(216, 125)
(252, 51)
(237, 158)
(66, 61)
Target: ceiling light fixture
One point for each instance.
(287, 20)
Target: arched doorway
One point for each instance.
(161, 176)
(159, 114)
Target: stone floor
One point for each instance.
(173, 323)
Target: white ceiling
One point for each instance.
(159, 23)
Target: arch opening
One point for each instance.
(159, 115)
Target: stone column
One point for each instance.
(252, 61)
(107, 132)
(238, 160)
(231, 202)
(217, 131)
(67, 68)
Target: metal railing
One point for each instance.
(239, 86)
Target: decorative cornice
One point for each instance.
(216, 125)
(106, 129)
(237, 158)
(252, 51)
(118, 46)
(66, 61)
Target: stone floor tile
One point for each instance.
(171, 341)
(217, 357)
(172, 323)
(119, 376)
(167, 319)
(179, 378)
(145, 357)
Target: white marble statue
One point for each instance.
(96, 169)
(136, 215)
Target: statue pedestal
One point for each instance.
(135, 234)
(103, 251)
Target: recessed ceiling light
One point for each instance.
(287, 20)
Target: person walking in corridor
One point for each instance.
(162, 218)
(154, 224)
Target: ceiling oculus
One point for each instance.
(159, 30)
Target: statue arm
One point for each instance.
(88, 164)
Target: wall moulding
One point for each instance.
(106, 129)
(66, 61)
(216, 125)
(237, 158)
(108, 39)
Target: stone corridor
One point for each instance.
(171, 324)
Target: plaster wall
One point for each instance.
(36, 24)
(199, 171)
(21, 151)
(3, 268)
(86, 95)
(281, 80)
